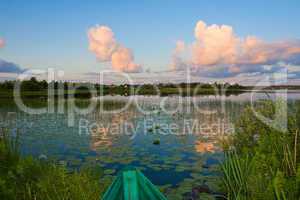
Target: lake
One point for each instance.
(175, 141)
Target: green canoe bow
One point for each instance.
(131, 184)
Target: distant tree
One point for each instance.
(31, 85)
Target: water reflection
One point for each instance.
(183, 160)
(106, 129)
(204, 147)
(100, 138)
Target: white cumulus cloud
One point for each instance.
(217, 50)
(103, 44)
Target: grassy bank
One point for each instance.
(23, 178)
(43, 94)
(34, 88)
(124, 92)
(262, 162)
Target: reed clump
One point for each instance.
(262, 161)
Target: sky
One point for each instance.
(158, 36)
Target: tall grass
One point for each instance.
(25, 178)
(236, 173)
(263, 162)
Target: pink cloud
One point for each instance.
(214, 44)
(122, 60)
(180, 46)
(217, 45)
(103, 44)
(255, 51)
(178, 61)
(2, 43)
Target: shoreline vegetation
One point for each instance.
(262, 162)
(28, 178)
(34, 88)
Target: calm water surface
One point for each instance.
(187, 156)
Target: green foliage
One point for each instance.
(33, 88)
(263, 162)
(236, 174)
(33, 85)
(27, 178)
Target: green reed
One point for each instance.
(262, 162)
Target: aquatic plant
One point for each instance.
(236, 173)
(262, 161)
(156, 142)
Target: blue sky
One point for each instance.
(41, 34)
